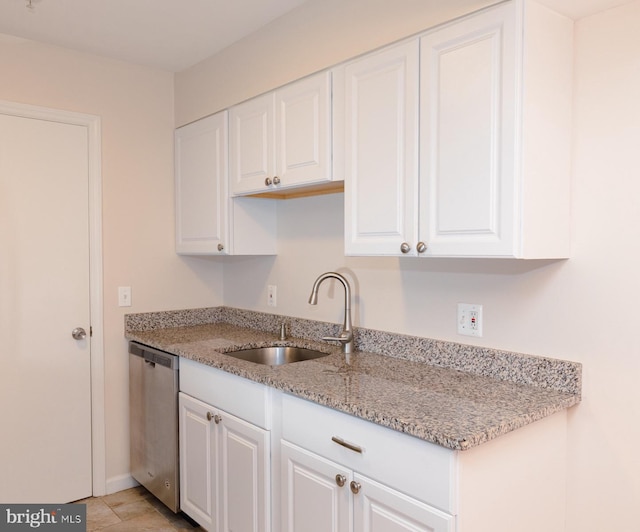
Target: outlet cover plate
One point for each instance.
(469, 319)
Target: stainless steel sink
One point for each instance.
(277, 355)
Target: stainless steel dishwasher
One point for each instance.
(153, 399)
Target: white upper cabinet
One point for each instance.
(208, 221)
(252, 130)
(494, 142)
(201, 185)
(468, 137)
(381, 150)
(283, 139)
(303, 131)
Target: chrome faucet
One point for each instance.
(346, 336)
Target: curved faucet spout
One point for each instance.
(346, 336)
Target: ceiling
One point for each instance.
(577, 9)
(169, 34)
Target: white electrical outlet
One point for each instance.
(469, 319)
(124, 296)
(272, 295)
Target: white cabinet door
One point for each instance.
(244, 476)
(201, 186)
(378, 508)
(252, 144)
(303, 132)
(381, 151)
(208, 221)
(468, 136)
(224, 469)
(315, 492)
(197, 461)
(282, 139)
(495, 134)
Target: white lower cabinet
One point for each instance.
(319, 495)
(340, 473)
(333, 472)
(225, 469)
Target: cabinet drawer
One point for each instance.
(417, 468)
(241, 397)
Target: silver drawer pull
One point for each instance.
(348, 445)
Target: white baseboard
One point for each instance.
(119, 483)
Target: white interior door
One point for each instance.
(45, 380)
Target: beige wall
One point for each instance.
(136, 108)
(582, 309)
(317, 35)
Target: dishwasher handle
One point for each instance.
(153, 356)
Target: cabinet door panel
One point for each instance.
(312, 501)
(467, 137)
(197, 452)
(378, 508)
(251, 132)
(303, 127)
(244, 476)
(381, 131)
(201, 185)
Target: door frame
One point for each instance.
(93, 125)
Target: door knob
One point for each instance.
(79, 333)
(340, 480)
(355, 486)
(405, 248)
(421, 247)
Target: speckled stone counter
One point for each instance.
(450, 394)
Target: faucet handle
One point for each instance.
(342, 338)
(345, 338)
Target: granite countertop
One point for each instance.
(452, 408)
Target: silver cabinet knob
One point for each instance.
(209, 416)
(340, 480)
(405, 248)
(276, 180)
(220, 247)
(355, 486)
(268, 181)
(217, 419)
(79, 333)
(421, 247)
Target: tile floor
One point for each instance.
(133, 510)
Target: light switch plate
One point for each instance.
(124, 296)
(272, 295)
